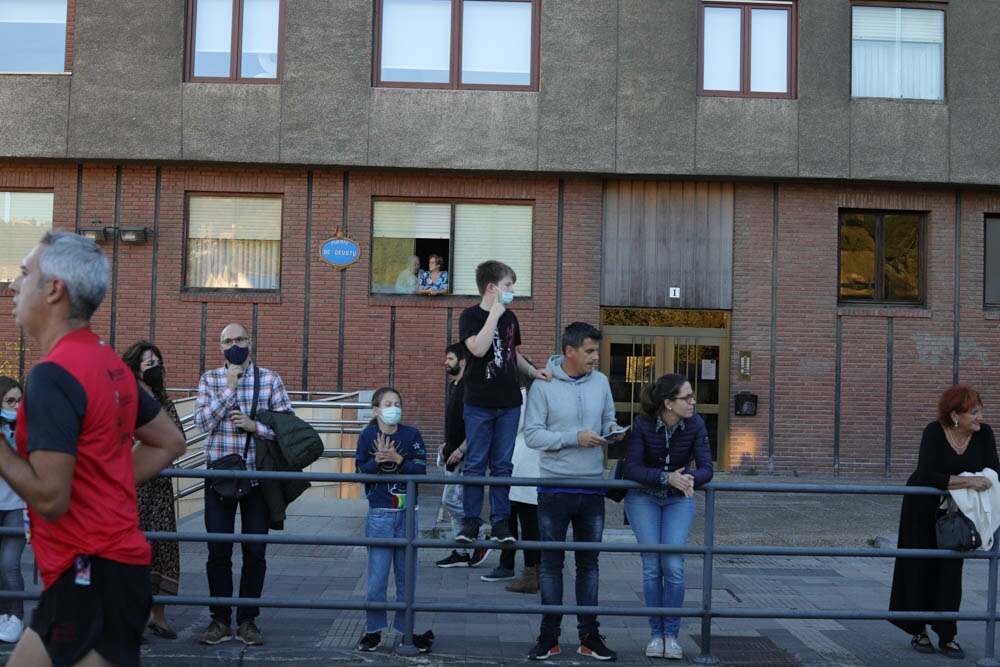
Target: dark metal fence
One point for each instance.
(708, 551)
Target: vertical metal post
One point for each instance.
(406, 647)
(988, 660)
(706, 657)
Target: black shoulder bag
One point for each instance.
(956, 531)
(231, 490)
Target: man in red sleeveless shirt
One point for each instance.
(76, 468)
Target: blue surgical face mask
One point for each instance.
(8, 416)
(506, 297)
(391, 416)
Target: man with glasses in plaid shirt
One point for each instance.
(223, 409)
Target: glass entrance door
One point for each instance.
(632, 357)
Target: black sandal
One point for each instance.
(922, 643)
(952, 651)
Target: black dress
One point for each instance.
(934, 584)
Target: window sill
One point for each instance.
(444, 301)
(231, 296)
(991, 313)
(884, 311)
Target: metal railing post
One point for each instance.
(406, 647)
(706, 657)
(988, 660)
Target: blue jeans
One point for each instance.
(489, 437)
(221, 518)
(385, 523)
(661, 521)
(11, 548)
(556, 512)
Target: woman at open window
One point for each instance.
(435, 280)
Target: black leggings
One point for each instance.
(527, 516)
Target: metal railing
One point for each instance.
(708, 552)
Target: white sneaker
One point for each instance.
(671, 649)
(11, 628)
(654, 649)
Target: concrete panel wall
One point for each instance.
(128, 63)
(617, 95)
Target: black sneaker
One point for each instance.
(478, 556)
(369, 641)
(499, 573)
(469, 532)
(501, 532)
(592, 645)
(545, 647)
(454, 560)
(424, 642)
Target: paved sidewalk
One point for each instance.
(326, 637)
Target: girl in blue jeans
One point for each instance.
(390, 448)
(666, 436)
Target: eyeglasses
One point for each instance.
(12, 402)
(242, 340)
(687, 397)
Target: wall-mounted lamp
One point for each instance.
(133, 234)
(97, 234)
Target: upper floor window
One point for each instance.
(33, 36)
(235, 40)
(233, 242)
(747, 49)
(897, 52)
(991, 263)
(25, 217)
(881, 257)
(457, 43)
(407, 234)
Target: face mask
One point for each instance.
(391, 416)
(236, 355)
(506, 297)
(8, 416)
(153, 377)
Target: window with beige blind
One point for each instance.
(406, 233)
(25, 217)
(233, 243)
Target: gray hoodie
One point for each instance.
(557, 410)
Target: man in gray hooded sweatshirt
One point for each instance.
(564, 421)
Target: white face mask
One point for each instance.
(391, 416)
(506, 297)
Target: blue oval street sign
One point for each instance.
(340, 251)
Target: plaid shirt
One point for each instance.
(216, 400)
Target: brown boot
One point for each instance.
(528, 583)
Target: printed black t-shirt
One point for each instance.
(491, 380)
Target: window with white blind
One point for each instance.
(233, 243)
(897, 52)
(33, 36)
(991, 263)
(235, 40)
(25, 217)
(406, 234)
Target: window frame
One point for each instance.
(880, 241)
(745, 48)
(235, 48)
(453, 202)
(5, 284)
(185, 289)
(67, 52)
(455, 58)
(902, 4)
(987, 219)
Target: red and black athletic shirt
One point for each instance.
(83, 401)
